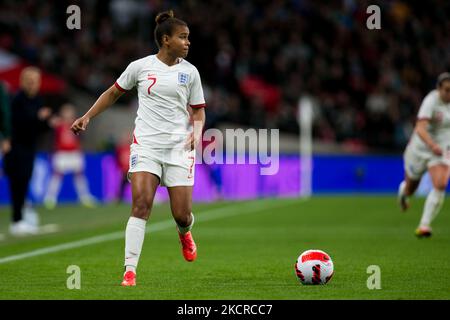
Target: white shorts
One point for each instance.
(68, 161)
(417, 162)
(174, 167)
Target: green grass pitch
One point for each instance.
(246, 250)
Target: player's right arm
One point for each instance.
(107, 98)
(422, 132)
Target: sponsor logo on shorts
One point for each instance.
(133, 160)
(183, 78)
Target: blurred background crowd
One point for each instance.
(256, 58)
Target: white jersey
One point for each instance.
(438, 113)
(164, 93)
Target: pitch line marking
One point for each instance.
(209, 215)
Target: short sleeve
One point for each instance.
(127, 79)
(426, 109)
(196, 98)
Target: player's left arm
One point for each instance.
(199, 117)
(422, 132)
(197, 104)
(423, 121)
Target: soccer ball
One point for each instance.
(314, 267)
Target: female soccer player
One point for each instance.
(429, 149)
(163, 145)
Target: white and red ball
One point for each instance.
(314, 267)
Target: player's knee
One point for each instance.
(441, 186)
(183, 218)
(140, 207)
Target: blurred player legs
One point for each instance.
(68, 158)
(65, 163)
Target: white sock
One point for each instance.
(433, 204)
(184, 230)
(134, 238)
(401, 188)
(81, 186)
(53, 188)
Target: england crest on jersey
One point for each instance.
(133, 160)
(183, 78)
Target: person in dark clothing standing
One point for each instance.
(28, 118)
(5, 130)
(4, 127)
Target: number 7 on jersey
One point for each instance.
(153, 79)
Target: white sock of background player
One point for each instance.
(433, 204)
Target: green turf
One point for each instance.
(246, 250)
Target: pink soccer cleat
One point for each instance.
(423, 232)
(189, 247)
(129, 279)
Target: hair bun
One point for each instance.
(163, 16)
(443, 77)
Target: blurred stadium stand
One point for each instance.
(256, 59)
